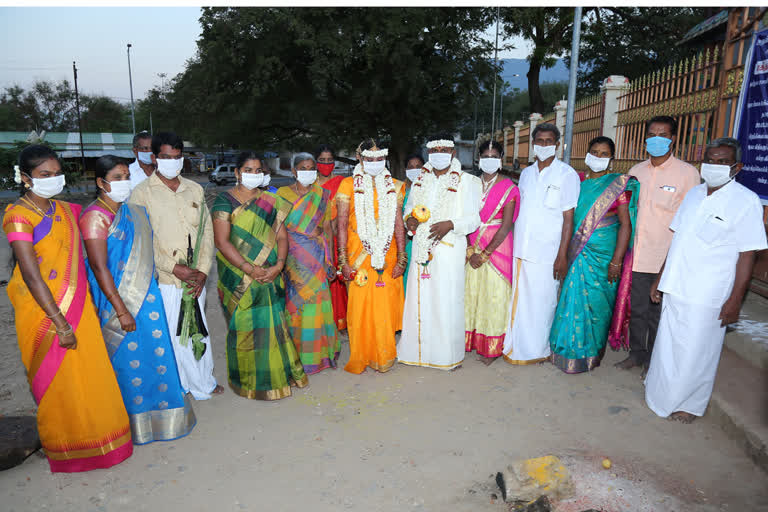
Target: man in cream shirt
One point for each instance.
(717, 231)
(549, 192)
(174, 205)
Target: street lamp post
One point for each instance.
(572, 85)
(130, 83)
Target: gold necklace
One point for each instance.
(37, 208)
(487, 187)
(105, 204)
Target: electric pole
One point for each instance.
(79, 119)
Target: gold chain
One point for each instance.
(37, 208)
(105, 204)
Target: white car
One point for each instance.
(222, 174)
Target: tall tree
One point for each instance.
(549, 29)
(46, 105)
(103, 114)
(264, 76)
(631, 41)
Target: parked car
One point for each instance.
(223, 174)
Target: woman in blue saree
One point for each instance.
(600, 263)
(120, 266)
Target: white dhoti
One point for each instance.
(534, 300)
(196, 376)
(684, 359)
(433, 318)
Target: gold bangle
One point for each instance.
(615, 264)
(123, 313)
(52, 301)
(57, 313)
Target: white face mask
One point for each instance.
(715, 175)
(544, 152)
(440, 160)
(595, 163)
(48, 187)
(412, 174)
(119, 190)
(306, 178)
(490, 165)
(267, 179)
(374, 168)
(145, 157)
(169, 167)
(252, 180)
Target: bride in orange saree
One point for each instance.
(81, 418)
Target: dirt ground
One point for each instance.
(411, 439)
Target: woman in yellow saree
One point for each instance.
(81, 418)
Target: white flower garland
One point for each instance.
(440, 211)
(375, 154)
(17, 174)
(441, 143)
(375, 235)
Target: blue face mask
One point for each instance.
(657, 146)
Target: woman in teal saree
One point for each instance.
(600, 263)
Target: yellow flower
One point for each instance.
(361, 279)
(421, 213)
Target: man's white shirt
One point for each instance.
(544, 196)
(710, 232)
(137, 174)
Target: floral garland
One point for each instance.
(375, 235)
(447, 187)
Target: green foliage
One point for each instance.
(103, 114)
(631, 41)
(50, 106)
(297, 76)
(550, 30)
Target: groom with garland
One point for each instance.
(442, 209)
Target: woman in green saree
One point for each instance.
(600, 264)
(262, 360)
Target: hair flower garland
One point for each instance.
(17, 174)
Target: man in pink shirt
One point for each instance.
(664, 181)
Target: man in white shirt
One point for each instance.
(549, 192)
(141, 168)
(717, 231)
(433, 318)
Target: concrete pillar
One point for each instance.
(517, 125)
(560, 109)
(613, 87)
(506, 141)
(534, 120)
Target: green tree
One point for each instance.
(47, 105)
(103, 114)
(631, 41)
(268, 76)
(550, 30)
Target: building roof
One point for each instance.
(705, 26)
(67, 144)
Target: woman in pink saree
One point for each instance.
(488, 276)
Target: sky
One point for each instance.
(42, 42)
